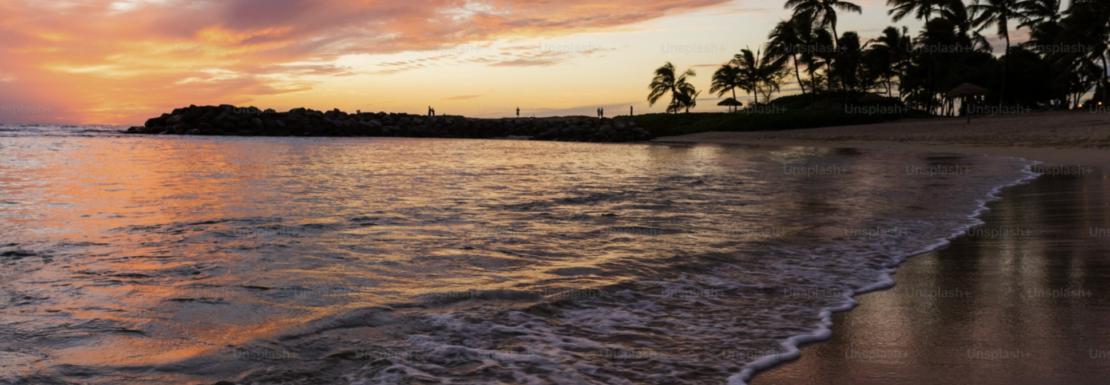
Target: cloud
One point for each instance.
(83, 56)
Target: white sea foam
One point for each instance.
(885, 281)
(539, 263)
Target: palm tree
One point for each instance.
(666, 81)
(747, 64)
(891, 55)
(774, 77)
(817, 51)
(727, 78)
(1043, 22)
(849, 64)
(1040, 11)
(687, 98)
(921, 9)
(756, 73)
(786, 40)
(1087, 23)
(999, 13)
(687, 94)
(823, 11)
(963, 19)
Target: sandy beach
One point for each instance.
(1056, 138)
(1028, 306)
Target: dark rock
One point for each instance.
(222, 116)
(210, 120)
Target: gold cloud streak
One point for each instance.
(90, 62)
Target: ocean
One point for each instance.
(179, 259)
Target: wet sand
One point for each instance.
(1024, 299)
(1029, 307)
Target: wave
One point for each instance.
(449, 260)
(823, 332)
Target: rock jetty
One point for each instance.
(251, 121)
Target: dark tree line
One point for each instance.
(1066, 57)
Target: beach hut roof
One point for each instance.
(730, 102)
(872, 97)
(967, 89)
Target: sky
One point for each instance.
(123, 61)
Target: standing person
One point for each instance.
(430, 111)
(518, 112)
(602, 113)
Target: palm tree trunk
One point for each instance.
(929, 68)
(797, 74)
(674, 96)
(733, 98)
(836, 56)
(1005, 66)
(1105, 84)
(813, 78)
(828, 69)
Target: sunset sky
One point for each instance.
(123, 61)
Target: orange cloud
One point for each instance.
(121, 61)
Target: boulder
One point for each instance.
(210, 120)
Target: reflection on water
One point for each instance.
(395, 260)
(1023, 300)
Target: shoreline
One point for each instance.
(1056, 153)
(797, 345)
(1054, 138)
(904, 334)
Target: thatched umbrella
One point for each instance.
(965, 91)
(730, 102)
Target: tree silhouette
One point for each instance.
(999, 13)
(666, 80)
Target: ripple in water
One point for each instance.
(269, 260)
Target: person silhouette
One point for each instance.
(601, 112)
(430, 111)
(518, 112)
